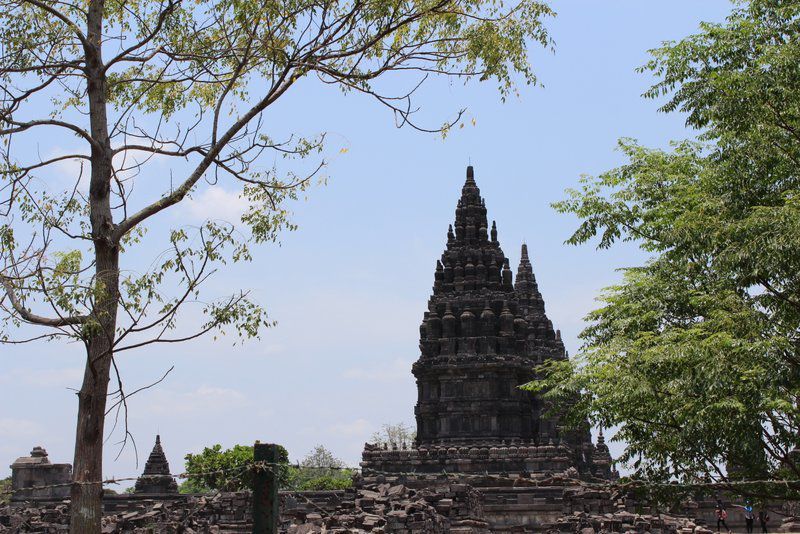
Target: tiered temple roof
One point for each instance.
(156, 477)
(480, 339)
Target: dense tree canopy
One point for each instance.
(320, 470)
(695, 355)
(225, 470)
(215, 469)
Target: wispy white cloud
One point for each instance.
(205, 400)
(215, 202)
(399, 369)
(16, 429)
(19, 436)
(66, 172)
(350, 429)
(336, 309)
(70, 376)
(267, 350)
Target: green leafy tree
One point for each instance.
(695, 355)
(320, 470)
(5, 486)
(160, 99)
(215, 469)
(192, 486)
(307, 479)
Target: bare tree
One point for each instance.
(394, 436)
(187, 84)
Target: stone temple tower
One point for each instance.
(482, 336)
(156, 477)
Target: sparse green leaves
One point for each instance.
(319, 470)
(244, 316)
(196, 60)
(188, 83)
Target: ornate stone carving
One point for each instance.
(482, 336)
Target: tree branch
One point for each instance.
(22, 126)
(32, 318)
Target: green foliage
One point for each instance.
(212, 68)
(5, 485)
(192, 486)
(306, 479)
(224, 470)
(320, 470)
(695, 355)
(188, 84)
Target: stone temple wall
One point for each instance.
(512, 459)
(444, 494)
(424, 504)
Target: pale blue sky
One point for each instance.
(348, 288)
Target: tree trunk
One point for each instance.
(100, 332)
(87, 490)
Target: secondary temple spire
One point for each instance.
(526, 281)
(156, 477)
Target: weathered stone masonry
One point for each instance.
(36, 470)
(156, 478)
(481, 337)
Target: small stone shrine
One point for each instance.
(36, 471)
(156, 478)
(482, 337)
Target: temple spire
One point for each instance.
(526, 281)
(473, 259)
(156, 477)
(483, 334)
(603, 462)
(525, 284)
(470, 212)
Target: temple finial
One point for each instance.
(470, 173)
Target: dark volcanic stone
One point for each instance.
(482, 337)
